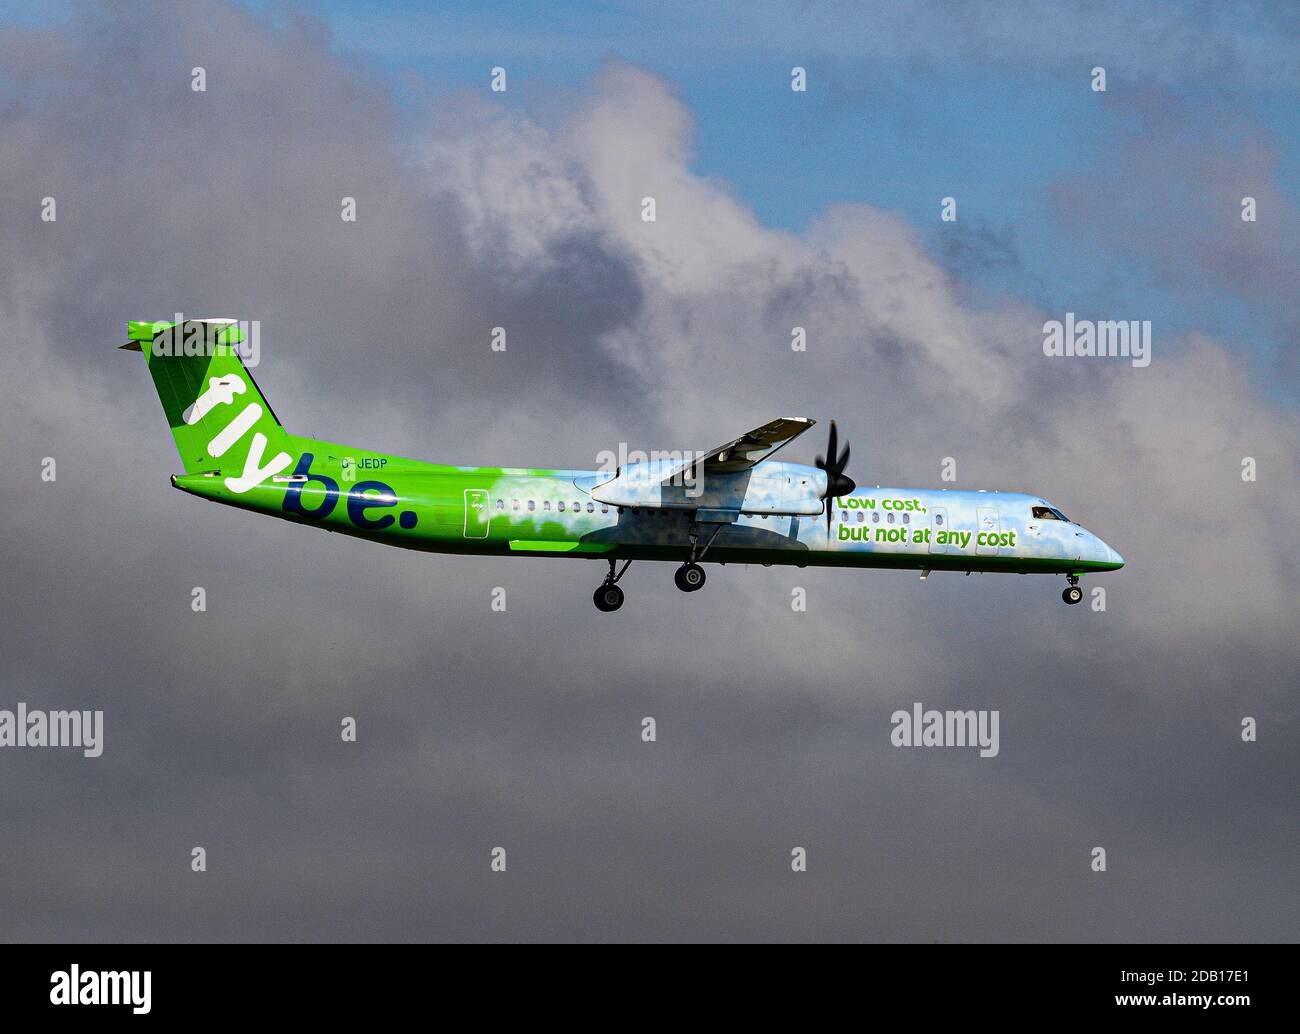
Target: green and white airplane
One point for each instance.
(733, 504)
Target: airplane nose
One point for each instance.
(1115, 558)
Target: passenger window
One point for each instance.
(531, 505)
(546, 505)
(844, 516)
(591, 507)
(560, 506)
(907, 518)
(890, 518)
(501, 504)
(875, 517)
(938, 519)
(514, 504)
(861, 517)
(604, 508)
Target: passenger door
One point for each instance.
(988, 523)
(478, 514)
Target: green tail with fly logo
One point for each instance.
(221, 423)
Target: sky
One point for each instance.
(904, 109)
(1120, 728)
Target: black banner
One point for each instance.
(143, 984)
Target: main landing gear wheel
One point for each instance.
(689, 577)
(608, 597)
(1073, 594)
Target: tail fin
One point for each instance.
(218, 417)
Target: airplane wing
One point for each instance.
(644, 484)
(752, 447)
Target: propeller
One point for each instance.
(837, 482)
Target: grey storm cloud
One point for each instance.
(521, 729)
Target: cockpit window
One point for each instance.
(1049, 513)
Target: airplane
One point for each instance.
(733, 504)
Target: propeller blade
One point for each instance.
(837, 482)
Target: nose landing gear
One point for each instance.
(1073, 594)
(609, 596)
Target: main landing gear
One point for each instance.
(609, 596)
(690, 576)
(1073, 594)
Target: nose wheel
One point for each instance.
(609, 597)
(689, 577)
(1073, 594)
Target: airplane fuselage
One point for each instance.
(547, 512)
